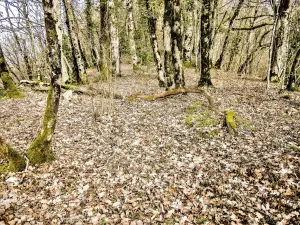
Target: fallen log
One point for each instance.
(87, 90)
(174, 92)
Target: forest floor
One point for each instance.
(169, 161)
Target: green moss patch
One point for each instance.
(206, 121)
(16, 162)
(11, 90)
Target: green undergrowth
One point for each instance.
(203, 119)
(209, 123)
(16, 162)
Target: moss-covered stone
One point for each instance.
(11, 90)
(16, 162)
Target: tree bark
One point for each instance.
(292, 77)
(11, 91)
(104, 41)
(114, 39)
(167, 44)
(90, 32)
(39, 150)
(176, 37)
(79, 67)
(235, 14)
(155, 47)
(205, 78)
(131, 31)
(188, 33)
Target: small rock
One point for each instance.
(13, 181)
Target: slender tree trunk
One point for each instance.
(226, 41)
(131, 31)
(91, 36)
(79, 67)
(114, 39)
(104, 41)
(19, 45)
(35, 61)
(167, 44)
(64, 70)
(155, 47)
(272, 50)
(205, 78)
(176, 37)
(39, 151)
(11, 91)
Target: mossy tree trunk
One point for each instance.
(11, 90)
(39, 151)
(79, 67)
(167, 44)
(16, 162)
(292, 76)
(205, 78)
(155, 47)
(104, 41)
(176, 37)
(90, 30)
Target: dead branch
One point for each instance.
(86, 90)
(174, 92)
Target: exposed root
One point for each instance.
(174, 92)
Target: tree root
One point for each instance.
(230, 122)
(174, 92)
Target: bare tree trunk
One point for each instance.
(11, 91)
(114, 39)
(35, 61)
(205, 78)
(18, 42)
(167, 44)
(39, 150)
(235, 14)
(104, 41)
(79, 67)
(176, 37)
(131, 31)
(155, 47)
(91, 36)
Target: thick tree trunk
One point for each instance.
(155, 48)
(205, 78)
(39, 150)
(79, 67)
(188, 33)
(104, 41)
(114, 39)
(292, 77)
(283, 58)
(11, 91)
(176, 37)
(168, 66)
(226, 41)
(131, 31)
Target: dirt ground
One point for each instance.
(158, 162)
